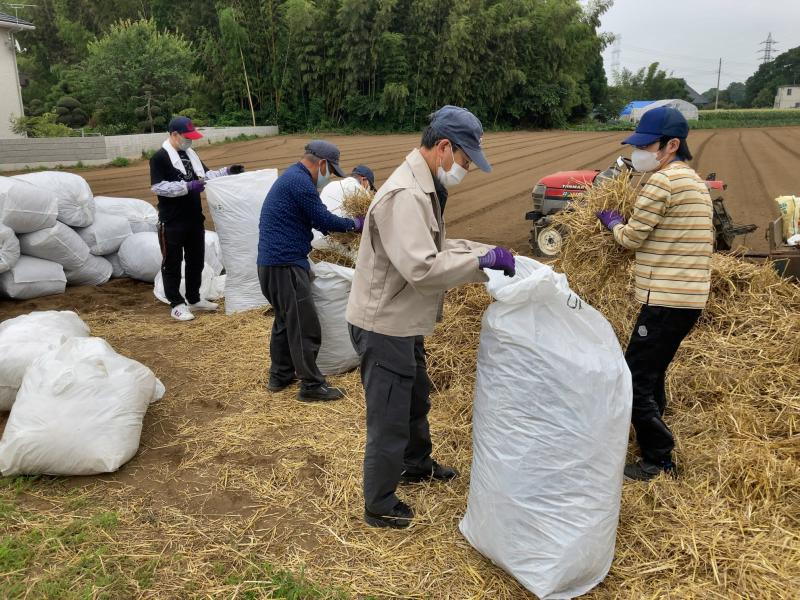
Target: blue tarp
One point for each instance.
(635, 104)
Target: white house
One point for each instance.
(10, 91)
(788, 96)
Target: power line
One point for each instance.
(768, 44)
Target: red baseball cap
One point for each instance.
(185, 127)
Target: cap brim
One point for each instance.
(476, 155)
(192, 135)
(641, 139)
(336, 169)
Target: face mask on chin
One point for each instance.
(644, 161)
(322, 180)
(454, 175)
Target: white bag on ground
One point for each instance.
(213, 254)
(550, 433)
(9, 248)
(106, 234)
(330, 290)
(25, 207)
(210, 288)
(140, 256)
(235, 203)
(25, 338)
(59, 243)
(117, 271)
(32, 278)
(79, 412)
(141, 215)
(95, 271)
(72, 193)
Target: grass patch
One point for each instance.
(120, 161)
(261, 578)
(712, 119)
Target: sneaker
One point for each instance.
(204, 305)
(320, 393)
(642, 470)
(438, 473)
(399, 517)
(276, 385)
(182, 313)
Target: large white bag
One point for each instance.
(212, 287)
(330, 290)
(9, 248)
(25, 207)
(32, 278)
(106, 234)
(27, 337)
(72, 193)
(59, 243)
(79, 412)
(140, 256)
(213, 254)
(141, 215)
(117, 270)
(235, 202)
(550, 432)
(95, 271)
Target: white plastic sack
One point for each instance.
(9, 248)
(79, 412)
(106, 234)
(141, 215)
(95, 271)
(25, 207)
(32, 278)
(330, 290)
(235, 202)
(117, 271)
(212, 287)
(140, 256)
(72, 193)
(213, 254)
(550, 432)
(25, 338)
(59, 243)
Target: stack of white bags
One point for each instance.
(54, 233)
(76, 405)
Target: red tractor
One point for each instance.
(554, 193)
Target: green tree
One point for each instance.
(44, 125)
(762, 87)
(70, 112)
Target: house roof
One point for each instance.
(695, 97)
(10, 20)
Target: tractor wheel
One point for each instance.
(547, 241)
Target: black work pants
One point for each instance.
(182, 242)
(656, 337)
(296, 333)
(397, 389)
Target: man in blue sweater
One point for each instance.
(291, 210)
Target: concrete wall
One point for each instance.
(788, 97)
(21, 153)
(10, 95)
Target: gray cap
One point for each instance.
(463, 129)
(325, 151)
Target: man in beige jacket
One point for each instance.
(404, 266)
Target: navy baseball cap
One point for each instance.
(325, 151)
(463, 129)
(365, 171)
(185, 127)
(658, 122)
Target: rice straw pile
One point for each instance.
(355, 203)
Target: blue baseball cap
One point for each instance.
(365, 171)
(326, 151)
(463, 129)
(657, 122)
(185, 127)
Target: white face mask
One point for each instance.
(184, 144)
(322, 180)
(644, 161)
(454, 176)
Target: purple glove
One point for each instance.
(610, 218)
(196, 185)
(358, 224)
(499, 259)
(235, 169)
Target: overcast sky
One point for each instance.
(690, 36)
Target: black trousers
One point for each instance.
(182, 242)
(656, 337)
(296, 333)
(397, 388)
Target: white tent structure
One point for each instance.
(687, 109)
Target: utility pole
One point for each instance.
(719, 76)
(615, 53)
(769, 45)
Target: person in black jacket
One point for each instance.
(177, 176)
